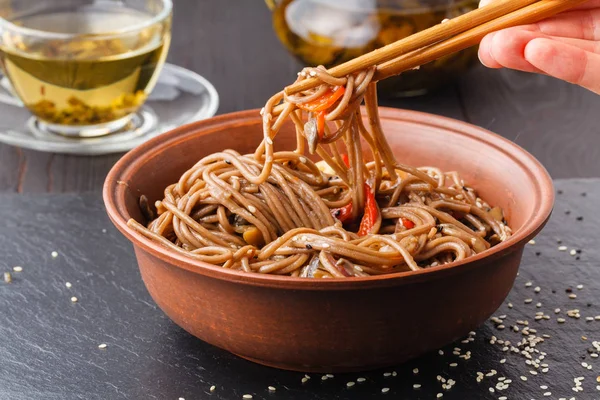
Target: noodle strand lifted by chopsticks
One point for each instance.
(281, 213)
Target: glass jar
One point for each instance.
(330, 32)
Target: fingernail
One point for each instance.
(481, 59)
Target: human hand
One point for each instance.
(566, 46)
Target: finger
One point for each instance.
(485, 55)
(565, 62)
(580, 24)
(574, 24)
(587, 45)
(506, 48)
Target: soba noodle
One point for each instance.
(281, 213)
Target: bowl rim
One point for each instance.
(114, 194)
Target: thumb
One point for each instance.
(565, 62)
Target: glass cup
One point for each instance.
(330, 32)
(83, 68)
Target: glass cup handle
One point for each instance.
(7, 95)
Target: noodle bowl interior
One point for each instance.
(357, 212)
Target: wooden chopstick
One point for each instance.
(527, 15)
(460, 32)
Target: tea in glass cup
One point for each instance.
(83, 67)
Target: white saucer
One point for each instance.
(180, 97)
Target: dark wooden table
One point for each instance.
(232, 44)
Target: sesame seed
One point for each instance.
(547, 394)
(439, 395)
(527, 301)
(417, 386)
(304, 380)
(68, 284)
(181, 398)
(503, 361)
(556, 310)
(18, 268)
(562, 248)
(537, 289)
(538, 305)
(303, 160)
(523, 378)
(247, 396)
(441, 352)
(54, 254)
(74, 299)
(572, 296)
(359, 380)
(510, 305)
(213, 388)
(385, 390)
(453, 365)
(269, 141)
(102, 346)
(252, 209)
(573, 252)
(324, 378)
(532, 242)
(7, 277)
(416, 371)
(272, 388)
(350, 384)
(528, 284)
(579, 287)
(387, 374)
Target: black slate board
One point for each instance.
(49, 345)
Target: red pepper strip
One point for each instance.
(324, 102)
(408, 224)
(321, 123)
(343, 214)
(345, 159)
(371, 212)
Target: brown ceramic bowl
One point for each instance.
(337, 324)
